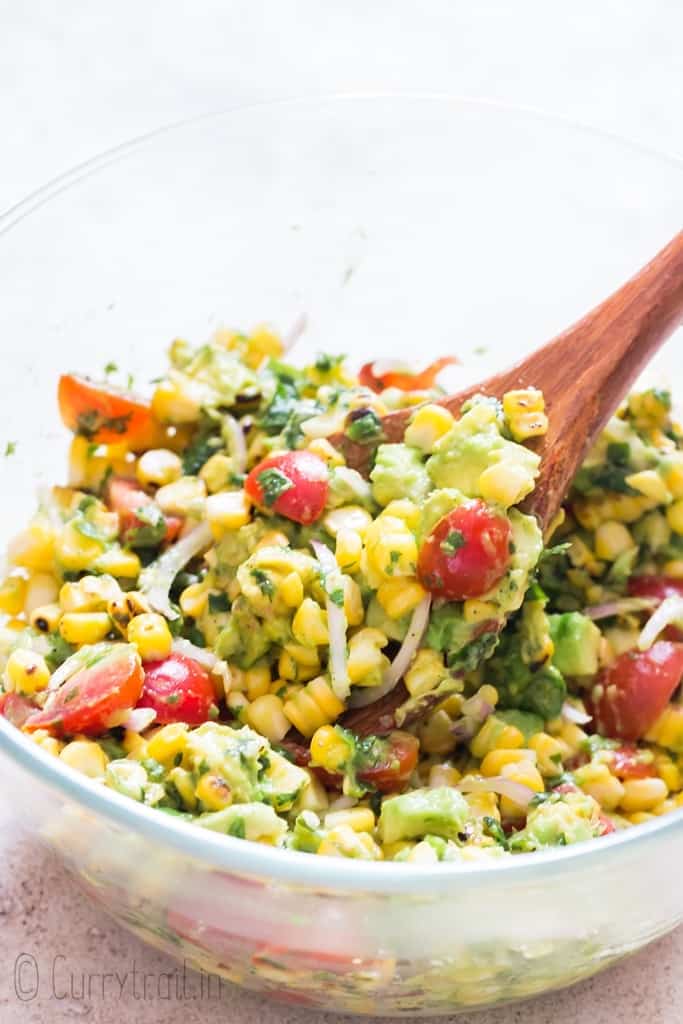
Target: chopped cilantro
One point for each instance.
(365, 426)
(273, 483)
(336, 596)
(453, 542)
(91, 421)
(110, 368)
(152, 528)
(263, 581)
(10, 448)
(237, 828)
(219, 603)
(325, 363)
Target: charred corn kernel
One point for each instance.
(674, 516)
(172, 401)
(475, 611)
(365, 660)
(329, 749)
(360, 819)
(226, 511)
(495, 760)
(425, 673)
(549, 753)
(86, 757)
(125, 607)
(436, 734)
(669, 772)
(213, 792)
(596, 779)
(12, 595)
(89, 594)
(266, 716)
(520, 401)
(41, 589)
(443, 775)
(611, 540)
(238, 704)
(84, 627)
(667, 731)
(257, 680)
(321, 447)
(309, 624)
(350, 517)
(292, 590)
(185, 496)
(427, 425)
(151, 636)
(46, 618)
(315, 705)
(342, 841)
(505, 483)
(674, 568)
(34, 548)
(46, 742)
(158, 466)
(526, 773)
(134, 745)
(116, 561)
(651, 484)
(400, 596)
(25, 672)
(348, 550)
(643, 794)
(353, 602)
(169, 743)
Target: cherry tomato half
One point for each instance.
(466, 554)
(395, 766)
(178, 689)
(371, 375)
(627, 763)
(127, 498)
(293, 484)
(107, 415)
(631, 694)
(111, 681)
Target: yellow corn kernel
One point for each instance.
(226, 511)
(273, 539)
(428, 424)
(526, 773)
(238, 704)
(261, 343)
(639, 817)
(214, 792)
(306, 657)
(495, 735)
(291, 590)
(651, 484)
(353, 602)
(443, 775)
(85, 756)
(348, 550)
(46, 619)
(674, 568)
(217, 472)
(643, 794)
(151, 636)
(390, 549)
(350, 517)
(520, 401)
(194, 599)
(313, 706)
(135, 745)
(172, 402)
(436, 735)
(84, 627)
(669, 772)
(365, 660)
(425, 673)
(185, 496)
(125, 607)
(405, 510)
(89, 594)
(505, 483)
(596, 779)
(89, 464)
(158, 466)
(673, 476)
(265, 714)
(573, 736)
(46, 742)
(344, 842)
(42, 589)
(666, 807)
(309, 624)
(257, 680)
(495, 760)
(549, 753)
(12, 595)
(287, 667)
(321, 447)
(25, 672)
(360, 819)
(117, 561)
(75, 551)
(169, 743)
(611, 540)
(529, 424)
(329, 749)
(400, 596)
(674, 516)
(475, 611)
(34, 548)
(667, 731)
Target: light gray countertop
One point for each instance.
(83, 75)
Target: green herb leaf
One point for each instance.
(273, 483)
(453, 542)
(263, 581)
(10, 448)
(365, 426)
(219, 603)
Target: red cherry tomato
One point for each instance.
(396, 765)
(111, 682)
(466, 554)
(293, 484)
(178, 689)
(606, 826)
(107, 415)
(627, 763)
(401, 378)
(631, 694)
(127, 498)
(15, 708)
(658, 587)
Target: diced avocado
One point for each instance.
(348, 487)
(576, 641)
(573, 818)
(377, 618)
(306, 834)
(399, 472)
(441, 811)
(283, 781)
(438, 504)
(526, 721)
(246, 821)
(127, 777)
(236, 755)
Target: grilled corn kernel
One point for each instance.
(329, 749)
(428, 424)
(158, 466)
(12, 595)
(292, 590)
(86, 757)
(425, 673)
(213, 792)
(309, 624)
(348, 550)
(46, 742)
(313, 706)
(257, 680)
(443, 775)
(184, 497)
(34, 548)
(266, 716)
(172, 402)
(611, 540)
(597, 780)
(151, 636)
(642, 794)
(360, 819)
(321, 447)
(46, 619)
(475, 611)
(226, 511)
(125, 607)
(436, 734)
(505, 483)
(84, 627)
(495, 760)
(350, 517)
(400, 596)
(526, 773)
(168, 744)
(549, 752)
(366, 661)
(651, 484)
(41, 589)
(529, 424)
(26, 672)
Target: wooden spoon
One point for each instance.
(584, 373)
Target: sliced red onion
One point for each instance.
(516, 791)
(207, 659)
(574, 714)
(238, 446)
(670, 612)
(623, 606)
(362, 696)
(157, 579)
(336, 624)
(295, 331)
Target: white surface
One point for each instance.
(77, 77)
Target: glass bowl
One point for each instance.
(400, 225)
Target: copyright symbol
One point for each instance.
(26, 977)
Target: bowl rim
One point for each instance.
(257, 859)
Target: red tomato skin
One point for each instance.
(88, 699)
(474, 568)
(15, 708)
(115, 416)
(419, 381)
(627, 764)
(631, 694)
(178, 689)
(606, 826)
(305, 500)
(393, 773)
(125, 496)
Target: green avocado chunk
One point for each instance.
(441, 812)
(573, 818)
(526, 721)
(399, 472)
(576, 641)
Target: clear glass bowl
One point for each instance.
(401, 225)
